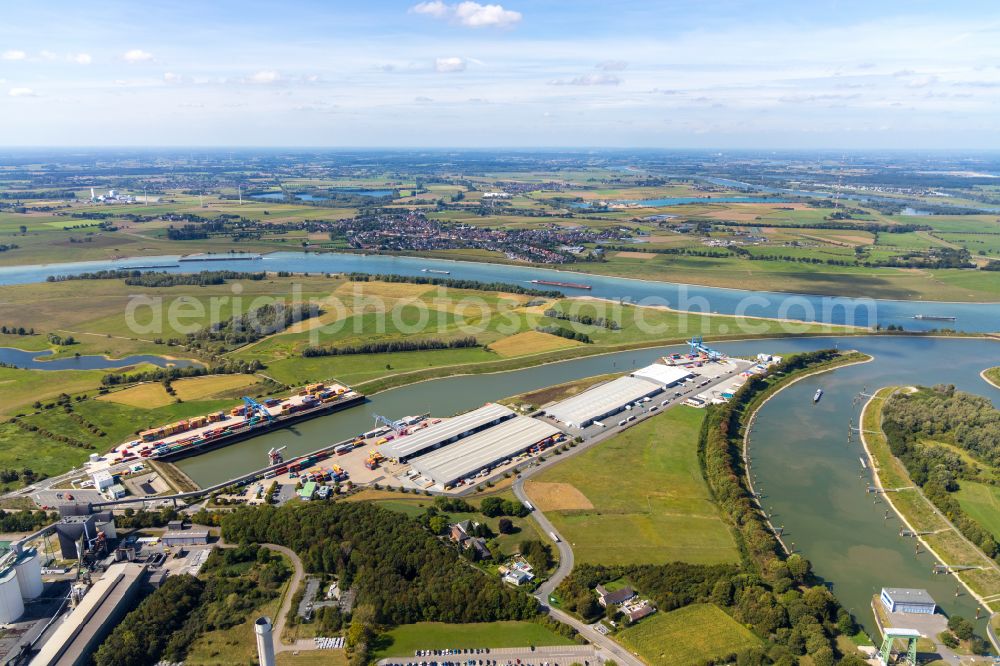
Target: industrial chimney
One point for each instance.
(265, 641)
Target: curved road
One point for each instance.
(613, 649)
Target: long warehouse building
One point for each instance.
(484, 449)
(601, 401)
(405, 448)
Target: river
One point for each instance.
(800, 453)
(972, 317)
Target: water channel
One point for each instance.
(809, 472)
(977, 317)
(36, 360)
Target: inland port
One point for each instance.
(202, 433)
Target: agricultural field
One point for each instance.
(688, 636)
(638, 498)
(403, 640)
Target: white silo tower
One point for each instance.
(11, 605)
(265, 641)
(29, 574)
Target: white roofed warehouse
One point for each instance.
(405, 448)
(667, 375)
(602, 400)
(483, 449)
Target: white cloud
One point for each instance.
(436, 8)
(612, 65)
(137, 55)
(588, 80)
(13, 54)
(452, 64)
(82, 59)
(47, 55)
(170, 77)
(21, 92)
(469, 14)
(265, 76)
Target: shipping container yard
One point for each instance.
(201, 433)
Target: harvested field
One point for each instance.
(145, 396)
(557, 496)
(531, 342)
(199, 388)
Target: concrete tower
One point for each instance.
(265, 641)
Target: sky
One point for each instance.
(521, 73)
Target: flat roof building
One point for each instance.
(192, 537)
(667, 375)
(74, 641)
(907, 600)
(483, 449)
(602, 400)
(435, 436)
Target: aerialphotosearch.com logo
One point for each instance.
(360, 309)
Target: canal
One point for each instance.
(810, 473)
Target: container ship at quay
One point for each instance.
(211, 431)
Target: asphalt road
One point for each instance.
(613, 650)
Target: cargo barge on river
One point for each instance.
(568, 285)
(211, 431)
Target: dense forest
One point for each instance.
(251, 326)
(969, 421)
(400, 571)
(911, 421)
(234, 582)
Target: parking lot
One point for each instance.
(563, 655)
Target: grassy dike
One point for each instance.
(401, 379)
(935, 532)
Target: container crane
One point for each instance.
(397, 426)
(255, 407)
(697, 345)
(274, 456)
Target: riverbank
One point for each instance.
(991, 376)
(921, 518)
(759, 403)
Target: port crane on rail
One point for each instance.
(254, 407)
(397, 426)
(697, 345)
(274, 456)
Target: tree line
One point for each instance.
(138, 278)
(586, 320)
(391, 347)
(229, 367)
(565, 333)
(454, 283)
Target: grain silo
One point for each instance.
(11, 605)
(29, 574)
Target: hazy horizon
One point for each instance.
(840, 75)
